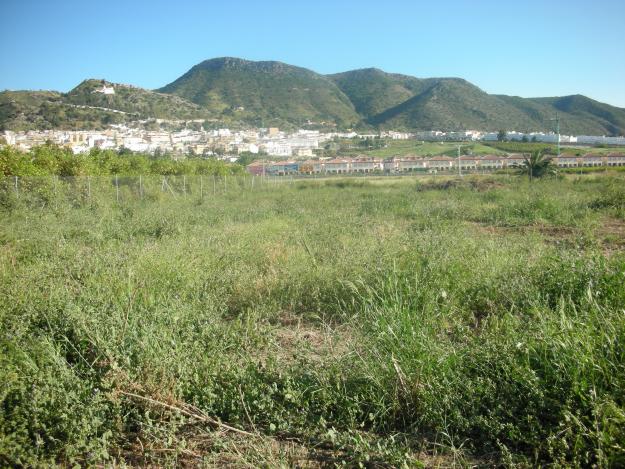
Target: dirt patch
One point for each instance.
(199, 448)
(552, 233)
(296, 337)
(477, 184)
(612, 235)
(609, 236)
(559, 236)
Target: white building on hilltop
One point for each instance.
(105, 90)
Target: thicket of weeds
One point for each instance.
(377, 323)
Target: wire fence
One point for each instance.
(56, 190)
(42, 191)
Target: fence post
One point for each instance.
(117, 188)
(201, 187)
(88, 187)
(140, 187)
(17, 191)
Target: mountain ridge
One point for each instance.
(263, 91)
(271, 93)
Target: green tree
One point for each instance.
(124, 151)
(247, 157)
(502, 136)
(537, 164)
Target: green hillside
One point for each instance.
(234, 91)
(264, 93)
(135, 100)
(398, 101)
(453, 104)
(606, 119)
(373, 91)
(84, 108)
(579, 115)
(41, 110)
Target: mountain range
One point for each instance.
(262, 94)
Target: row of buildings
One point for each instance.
(420, 164)
(514, 136)
(218, 142)
(228, 143)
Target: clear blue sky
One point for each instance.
(526, 48)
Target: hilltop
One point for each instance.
(373, 91)
(84, 107)
(394, 101)
(264, 92)
(268, 93)
(131, 99)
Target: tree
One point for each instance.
(537, 164)
(502, 136)
(246, 158)
(123, 151)
(524, 139)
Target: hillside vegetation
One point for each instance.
(241, 92)
(84, 108)
(42, 110)
(135, 100)
(264, 92)
(401, 102)
(373, 91)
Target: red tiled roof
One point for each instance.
(440, 158)
(339, 161)
(258, 163)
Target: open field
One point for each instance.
(388, 322)
(595, 149)
(570, 149)
(419, 148)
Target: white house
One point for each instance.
(365, 165)
(338, 166)
(492, 162)
(105, 90)
(615, 159)
(411, 164)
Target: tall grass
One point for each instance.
(376, 322)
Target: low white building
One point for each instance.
(277, 148)
(105, 90)
(412, 164)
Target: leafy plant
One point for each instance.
(537, 164)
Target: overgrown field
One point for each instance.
(415, 148)
(388, 323)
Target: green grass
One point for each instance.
(384, 322)
(418, 148)
(528, 147)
